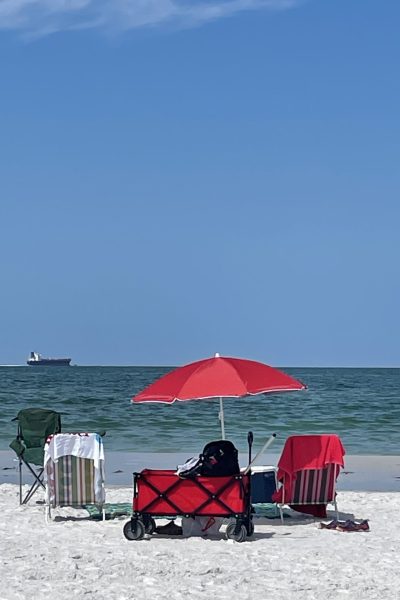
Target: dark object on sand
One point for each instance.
(169, 529)
(348, 525)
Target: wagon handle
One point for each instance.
(267, 443)
(250, 438)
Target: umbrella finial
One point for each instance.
(216, 355)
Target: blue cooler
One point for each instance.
(263, 484)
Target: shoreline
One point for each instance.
(369, 473)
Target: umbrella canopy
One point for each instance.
(218, 377)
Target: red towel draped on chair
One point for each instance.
(308, 481)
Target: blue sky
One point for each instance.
(184, 178)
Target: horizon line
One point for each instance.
(179, 365)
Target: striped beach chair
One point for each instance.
(312, 487)
(74, 471)
(307, 472)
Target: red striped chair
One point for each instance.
(307, 473)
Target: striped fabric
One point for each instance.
(314, 486)
(73, 481)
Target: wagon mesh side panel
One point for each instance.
(164, 493)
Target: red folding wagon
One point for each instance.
(162, 493)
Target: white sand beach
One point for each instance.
(74, 556)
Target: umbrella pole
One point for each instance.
(221, 418)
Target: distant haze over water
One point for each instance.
(361, 405)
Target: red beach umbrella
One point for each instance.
(218, 377)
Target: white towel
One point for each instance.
(189, 464)
(83, 446)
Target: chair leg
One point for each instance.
(20, 481)
(38, 481)
(281, 513)
(37, 476)
(31, 492)
(47, 513)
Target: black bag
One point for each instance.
(218, 459)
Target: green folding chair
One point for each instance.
(34, 426)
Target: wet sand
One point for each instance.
(361, 473)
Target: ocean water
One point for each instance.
(361, 405)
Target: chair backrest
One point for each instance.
(308, 468)
(34, 426)
(314, 486)
(74, 469)
(73, 481)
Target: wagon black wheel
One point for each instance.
(150, 526)
(134, 530)
(238, 536)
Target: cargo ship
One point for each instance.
(36, 359)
